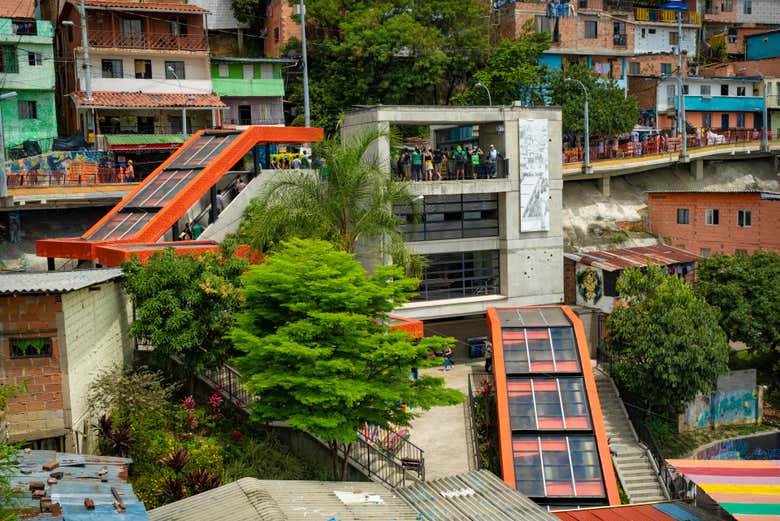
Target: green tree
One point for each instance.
(319, 353)
(666, 342)
(610, 111)
(10, 498)
(746, 290)
(184, 304)
(352, 203)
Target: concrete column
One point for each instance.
(604, 186)
(697, 169)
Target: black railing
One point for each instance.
(452, 172)
(227, 379)
(475, 379)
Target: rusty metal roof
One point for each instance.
(668, 511)
(620, 259)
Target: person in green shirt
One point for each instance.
(476, 160)
(304, 160)
(460, 163)
(417, 161)
(197, 229)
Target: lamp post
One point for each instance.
(490, 98)
(172, 70)
(679, 7)
(764, 114)
(3, 181)
(304, 59)
(587, 123)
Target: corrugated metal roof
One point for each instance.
(472, 496)
(253, 499)
(55, 281)
(669, 511)
(614, 260)
(84, 476)
(143, 139)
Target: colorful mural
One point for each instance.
(737, 400)
(589, 285)
(54, 167)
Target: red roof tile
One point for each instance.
(17, 8)
(171, 7)
(146, 100)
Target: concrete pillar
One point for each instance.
(697, 169)
(604, 186)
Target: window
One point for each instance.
(644, 32)
(248, 71)
(685, 90)
(706, 119)
(724, 121)
(740, 120)
(726, 6)
(131, 32)
(610, 283)
(711, 217)
(651, 31)
(542, 24)
(731, 34)
(143, 69)
(666, 69)
(8, 61)
(705, 90)
(633, 68)
(705, 252)
(25, 28)
(223, 70)
(683, 216)
(740, 91)
(591, 29)
(458, 275)
(724, 90)
(671, 92)
(244, 114)
(27, 109)
(674, 38)
(174, 70)
(34, 59)
(748, 7)
(276, 35)
(30, 347)
(744, 218)
(179, 28)
(547, 403)
(450, 217)
(111, 68)
(539, 350)
(267, 71)
(740, 252)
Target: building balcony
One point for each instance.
(149, 41)
(154, 85)
(646, 14)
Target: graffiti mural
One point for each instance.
(722, 407)
(589, 285)
(757, 447)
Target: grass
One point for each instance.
(675, 444)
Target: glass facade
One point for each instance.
(533, 350)
(458, 275)
(451, 217)
(548, 403)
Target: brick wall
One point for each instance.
(281, 27)
(726, 237)
(569, 282)
(96, 321)
(38, 413)
(650, 64)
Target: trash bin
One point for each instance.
(476, 346)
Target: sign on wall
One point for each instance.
(534, 176)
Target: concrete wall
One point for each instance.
(197, 73)
(96, 321)
(653, 39)
(762, 12)
(737, 400)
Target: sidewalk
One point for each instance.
(443, 432)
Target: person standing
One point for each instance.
(417, 162)
(488, 356)
(296, 164)
(490, 162)
(428, 164)
(460, 163)
(305, 160)
(438, 159)
(129, 172)
(476, 162)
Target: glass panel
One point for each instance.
(575, 403)
(557, 468)
(528, 466)
(539, 347)
(548, 404)
(521, 405)
(565, 349)
(515, 354)
(587, 467)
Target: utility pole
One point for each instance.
(306, 111)
(85, 53)
(680, 84)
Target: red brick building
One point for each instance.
(57, 331)
(280, 26)
(716, 222)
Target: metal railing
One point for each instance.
(228, 380)
(157, 41)
(470, 172)
(64, 177)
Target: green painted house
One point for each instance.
(27, 68)
(252, 89)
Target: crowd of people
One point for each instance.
(442, 163)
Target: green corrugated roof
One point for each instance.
(143, 139)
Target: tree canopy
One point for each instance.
(318, 350)
(185, 304)
(665, 341)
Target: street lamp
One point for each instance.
(172, 70)
(679, 7)
(764, 115)
(587, 123)
(490, 98)
(3, 182)
(304, 57)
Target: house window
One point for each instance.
(449, 217)
(8, 60)
(27, 110)
(223, 70)
(724, 90)
(111, 68)
(541, 24)
(265, 113)
(179, 28)
(705, 90)
(744, 218)
(266, 71)
(674, 38)
(740, 91)
(651, 31)
(30, 347)
(591, 29)
(706, 119)
(685, 90)
(249, 72)
(610, 283)
(276, 35)
(740, 252)
(633, 68)
(666, 69)
(748, 7)
(712, 217)
(644, 32)
(683, 216)
(174, 70)
(705, 252)
(740, 120)
(244, 114)
(726, 6)
(143, 69)
(34, 59)
(724, 121)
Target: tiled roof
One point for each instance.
(17, 8)
(147, 100)
(170, 7)
(55, 281)
(639, 257)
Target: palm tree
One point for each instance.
(350, 204)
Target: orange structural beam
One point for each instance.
(113, 254)
(414, 327)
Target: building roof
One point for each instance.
(142, 100)
(55, 281)
(142, 141)
(17, 8)
(221, 15)
(746, 489)
(768, 67)
(250, 498)
(614, 260)
(83, 476)
(670, 511)
(762, 194)
(472, 496)
(166, 7)
(251, 60)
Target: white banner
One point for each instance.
(534, 176)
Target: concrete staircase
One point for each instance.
(635, 469)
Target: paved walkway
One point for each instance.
(443, 432)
